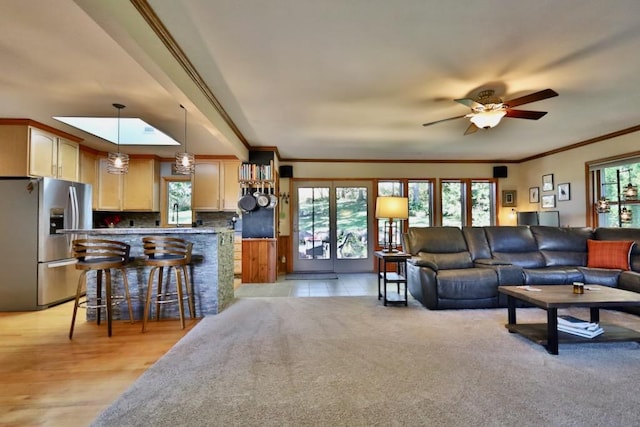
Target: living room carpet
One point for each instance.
(350, 361)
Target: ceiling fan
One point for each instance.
(487, 109)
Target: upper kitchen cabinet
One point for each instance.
(31, 149)
(137, 190)
(52, 156)
(88, 161)
(215, 185)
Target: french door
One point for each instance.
(332, 226)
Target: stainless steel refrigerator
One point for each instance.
(36, 267)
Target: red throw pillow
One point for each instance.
(609, 253)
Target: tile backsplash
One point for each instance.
(152, 219)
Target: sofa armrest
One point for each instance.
(421, 262)
(629, 281)
(484, 262)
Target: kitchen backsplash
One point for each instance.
(101, 219)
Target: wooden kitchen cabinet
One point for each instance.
(229, 185)
(215, 185)
(259, 260)
(52, 156)
(88, 174)
(137, 190)
(206, 186)
(28, 150)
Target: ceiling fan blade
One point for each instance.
(537, 96)
(443, 120)
(468, 102)
(525, 114)
(471, 129)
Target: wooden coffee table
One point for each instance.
(553, 297)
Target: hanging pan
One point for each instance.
(262, 198)
(247, 202)
(273, 200)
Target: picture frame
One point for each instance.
(509, 198)
(549, 201)
(534, 194)
(564, 192)
(547, 182)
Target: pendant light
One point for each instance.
(118, 163)
(185, 161)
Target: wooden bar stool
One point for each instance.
(100, 255)
(172, 253)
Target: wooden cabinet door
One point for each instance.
(259, 260)
(206, 186)
(42, 153)
(14, 152)
(68, 157)
(87, 174)
(109, 188)
(141, 186)
(229, 185)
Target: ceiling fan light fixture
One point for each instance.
(185, 161)
(487, 119)
(118, 163)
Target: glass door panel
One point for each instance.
(331, 226)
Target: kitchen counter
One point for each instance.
(211, 267)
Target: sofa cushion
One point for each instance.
(471, 283)
(435, 240)
(551, 276)
(562, 246)
(600, 276)
(614, 233)
(609, 254)
(515, 245)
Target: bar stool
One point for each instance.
(100, 255)
(172, 253)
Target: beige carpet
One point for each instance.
(349, 361)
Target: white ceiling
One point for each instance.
(331, 79)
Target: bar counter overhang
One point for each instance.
(211, 268)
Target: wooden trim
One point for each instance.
(147, 12)
(42, 126)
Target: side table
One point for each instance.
(385, 277)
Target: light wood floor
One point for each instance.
(49, 380)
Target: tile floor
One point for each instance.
(352, 284)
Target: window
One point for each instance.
(617, 183)
(468, 202)
(420, 203)
(176, 206)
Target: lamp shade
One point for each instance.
(392, 207)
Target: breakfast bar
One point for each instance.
(211, 269)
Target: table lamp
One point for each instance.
(391, 208)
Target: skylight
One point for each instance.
(133, 131)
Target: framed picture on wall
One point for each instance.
(564, 192)
(509, 198)
(549, 201)
(547, 182)
(534, 195)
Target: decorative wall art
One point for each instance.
(534, 195)
(509, 198)
(564, 192)
(549, 201)
(547, 182)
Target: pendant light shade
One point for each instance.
(185, 161)
(118, 163)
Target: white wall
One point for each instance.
(569, 166)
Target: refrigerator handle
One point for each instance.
(73, 198)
